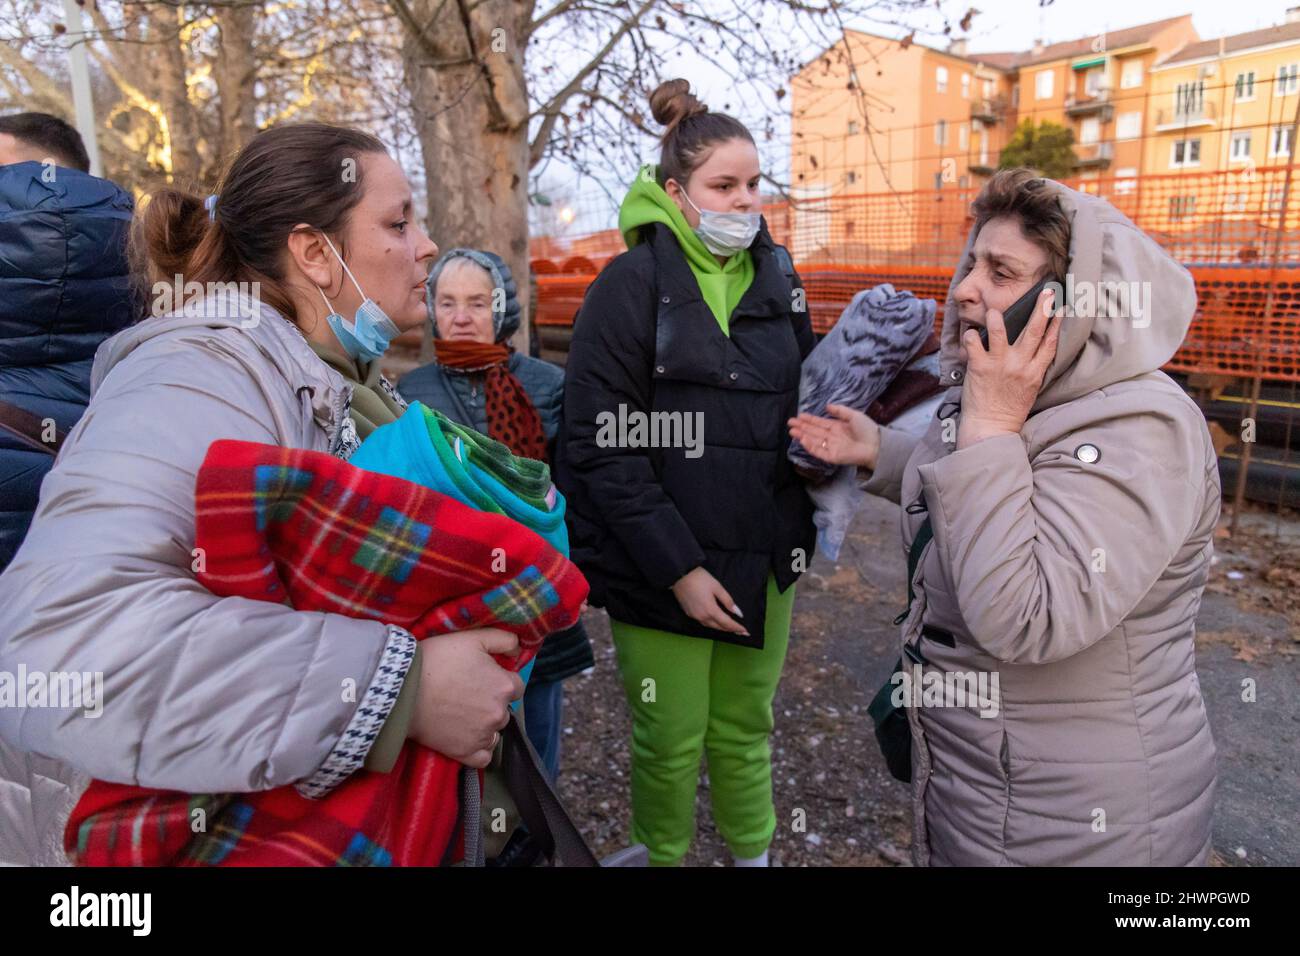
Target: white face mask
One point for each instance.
(725, 233)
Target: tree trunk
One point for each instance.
(471, 112)
(172, 93)
(236, 73)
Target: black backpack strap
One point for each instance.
(784, 260)
(924, 535)
(547, 820)
(28, 428)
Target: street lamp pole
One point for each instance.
(79, 70)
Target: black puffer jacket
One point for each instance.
(640, 518)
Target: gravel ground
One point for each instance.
(828, 774)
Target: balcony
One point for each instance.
(1077, 106)
(988, 110)
(1094, 155)
(1190, 116)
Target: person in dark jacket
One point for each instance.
(64, 288)
(476, 379)
(686, 516)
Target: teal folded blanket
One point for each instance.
(428, 448)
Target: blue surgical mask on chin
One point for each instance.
(725, 233)
(368, 336)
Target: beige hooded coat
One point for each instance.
(1075, 581)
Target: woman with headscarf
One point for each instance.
(477, 379)
(1059, 523)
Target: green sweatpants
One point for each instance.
(690, 695)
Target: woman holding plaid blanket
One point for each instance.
(365, 544)
(208, 694)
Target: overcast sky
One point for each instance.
(1013, 24)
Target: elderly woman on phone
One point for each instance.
(1059, 518)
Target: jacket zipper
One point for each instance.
(340, 402)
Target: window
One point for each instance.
(1186, 152)
(1043, 85)
(1094, 81)
(1189, 98)
(853, 127)
(1128, 126)
(984, 147)
(848, 229)
(938, 180)
(1090, 130)
(1182, 207)
(965, 86)
(1279, 143)
(963, 181)
(1234, 202)
(1245, 88)
(1131, 75)
(1273, 202)
(962, 139)
(988, 89)
(1015, 95)
(1240, 151)
(852, 177)
(941, 132)
(941, 79)
(1286, 79)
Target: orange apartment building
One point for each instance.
(1100, 88)
(1148, 103)
(1220, 142)
(873, 115)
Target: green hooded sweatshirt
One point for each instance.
(721, 285)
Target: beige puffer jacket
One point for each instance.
(202, 694)
(1075, 579)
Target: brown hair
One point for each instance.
(286, 175)
(1025, 196)
(692, 131)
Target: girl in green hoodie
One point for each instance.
(694, 556)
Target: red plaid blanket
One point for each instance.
(366, 545)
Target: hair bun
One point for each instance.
(167, 230)
(672, 102)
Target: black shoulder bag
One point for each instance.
(892, 731)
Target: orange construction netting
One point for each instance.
(1237, 232)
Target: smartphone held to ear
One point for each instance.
(1021, 311)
